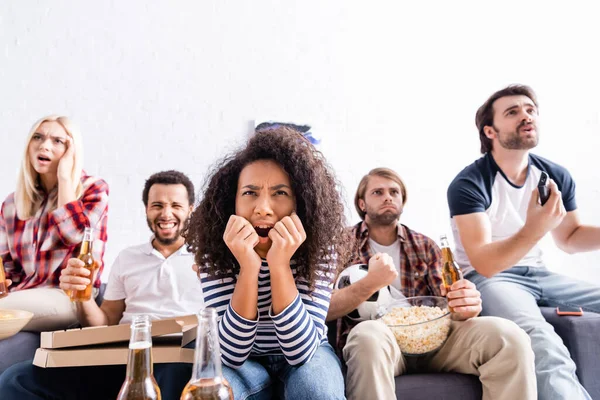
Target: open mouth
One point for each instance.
(43, 159)
(263, 231)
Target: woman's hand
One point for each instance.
(241, 238)
(66, 162)
(286, 236)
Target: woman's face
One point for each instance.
(264, 196)
(46, 147)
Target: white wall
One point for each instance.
(157, 85)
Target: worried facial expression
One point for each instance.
(383, 201)
(167, 211)
(47, 145)
(515, 123)
(264, 196)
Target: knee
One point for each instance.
(504, 334)
(369, 338)
(16, 379)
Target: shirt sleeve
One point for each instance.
(70, 220)
(465, 196)
(434, 264)
(300, 327)
(13, 271)
(236, 333)
(115, 288)
(566, 185)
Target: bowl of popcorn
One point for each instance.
(12, 321)
(420, 324)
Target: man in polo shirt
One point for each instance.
(411, 263)
(154, 278)
(497, 222)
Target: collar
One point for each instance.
(149, 249)
(363, 231)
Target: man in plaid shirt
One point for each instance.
(411, 262)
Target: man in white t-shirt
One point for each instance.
(411, 263)
(497, 221)
(154, 278)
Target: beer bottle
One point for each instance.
(207, 381)
(3, 287)
(450, 270)
(139, 382)
(85, 255)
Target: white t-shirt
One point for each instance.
(483, 187)
(154, 285)
(393, 251)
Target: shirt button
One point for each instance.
(416, 274)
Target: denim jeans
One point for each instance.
(516, 294)
(24, 381)
(263, 377)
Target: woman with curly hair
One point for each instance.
(267, 236)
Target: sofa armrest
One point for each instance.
(580, 335)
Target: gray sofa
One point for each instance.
(22, 346)
(580, 335)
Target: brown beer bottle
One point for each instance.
(3, 287)
(207, 381)
(85, 255)
(450, 270)
(139, 382)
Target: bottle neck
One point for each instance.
(207, 364)
(87, 243)
(139, 365)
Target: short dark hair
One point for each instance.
(171, 177)
(485, 114)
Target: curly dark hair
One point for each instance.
(318, 205)
(170, 177)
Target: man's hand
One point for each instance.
(464, 299)
(241, 238)
(543, 219)
(286, 236)
(74, 276)
(382, 272)
(8, 282)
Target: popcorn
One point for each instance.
(412, 331)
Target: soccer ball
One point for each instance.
(372, 306)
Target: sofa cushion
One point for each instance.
(438, 386)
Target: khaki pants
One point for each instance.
(51, 307)
(495, 349)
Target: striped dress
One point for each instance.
(296, 332)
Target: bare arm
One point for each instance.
(381, 273)
(487, 257)
(75, 277)
(573, 237)
(345, 300)
(110, 313)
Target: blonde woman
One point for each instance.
(42, 223)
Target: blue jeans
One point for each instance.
(24, 381)
(516, 294)
(263, 377)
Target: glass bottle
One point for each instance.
(139, 382)
(207, 381)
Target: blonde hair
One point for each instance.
(28, 196)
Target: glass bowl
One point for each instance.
(420, 324)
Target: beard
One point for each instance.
(514, 141)
(386, 218)
(165, 241)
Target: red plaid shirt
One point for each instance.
(420, 267)
(34, 251)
